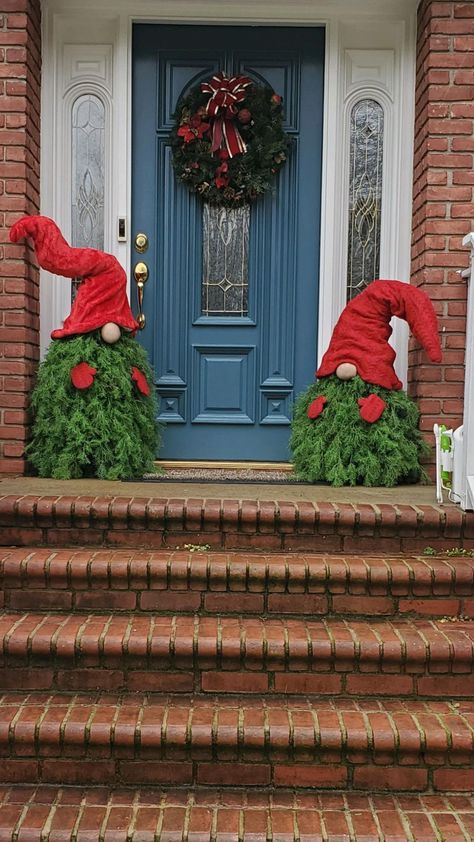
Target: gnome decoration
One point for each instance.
(355, 426)
(93, 405)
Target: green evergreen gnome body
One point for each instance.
(93, 404)
(355, 425)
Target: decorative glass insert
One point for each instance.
(365, 194)
(224, 288)
(88, 181)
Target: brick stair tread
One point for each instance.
(100, 725)
(167, 581)
(269, 525)
(49, 814)
(72, 646)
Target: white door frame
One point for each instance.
(370, 51)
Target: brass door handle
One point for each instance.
(141, 274)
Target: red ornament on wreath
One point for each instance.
(244, 115)
(228, 139)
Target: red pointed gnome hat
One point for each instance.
(361, 335)
(102, 295)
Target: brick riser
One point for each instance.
(270, 526)
(234, 584)
(365, 745)
(417, 659)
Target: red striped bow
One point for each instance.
(221, 108)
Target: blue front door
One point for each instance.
(227, 378)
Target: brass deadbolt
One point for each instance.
(141, 243)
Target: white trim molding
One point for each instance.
(370, 47)
(72, 69)
(376, 61)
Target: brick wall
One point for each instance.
(20, 71)
(443, 198)
(443, 207)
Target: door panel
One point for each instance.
(227, 382)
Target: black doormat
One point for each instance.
(223, 475)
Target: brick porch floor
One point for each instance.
(412, 495)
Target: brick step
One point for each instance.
(166, 582)
(134, 740)
(268, 525)
(73, 652)
(30, 814)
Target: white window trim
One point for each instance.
(363, 26)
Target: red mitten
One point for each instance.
(139, 378)
(316, 407)
(82, 375)
(371, 408)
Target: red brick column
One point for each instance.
(20, 69)
(443, 209)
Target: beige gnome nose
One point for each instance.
(346, 371)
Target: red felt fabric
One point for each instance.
(140, 380)
(102, 295)
(316, 407)
(82, 375)
(371, 408)
(361, 335)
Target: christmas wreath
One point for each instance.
(228, 140)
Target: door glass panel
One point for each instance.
(224, 286)
(365, 194)
(88, 183)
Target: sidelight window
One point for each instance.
(88, 166)
(365, 194)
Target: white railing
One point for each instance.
(467, 477)
(455, 448)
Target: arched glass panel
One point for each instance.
(88, 167)
(365, 194)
